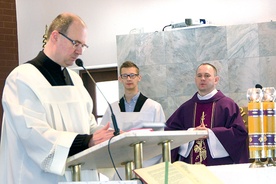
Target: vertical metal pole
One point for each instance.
(128, 169)
(138, 155)
(76, 172)
(166, 150)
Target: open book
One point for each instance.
(177, 173)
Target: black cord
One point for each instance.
(166, 26)
(110, 155)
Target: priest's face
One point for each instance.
(206, 79)
(72, 43)
(130, 79)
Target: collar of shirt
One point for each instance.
(131, 105)
(208, 96)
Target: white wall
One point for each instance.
(108, 18)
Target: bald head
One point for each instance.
(62, 22)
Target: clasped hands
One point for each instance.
(101, 135)
(202, 127)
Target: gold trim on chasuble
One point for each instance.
(200, 145)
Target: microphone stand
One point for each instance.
(116, 129)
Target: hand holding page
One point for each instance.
(178, 172)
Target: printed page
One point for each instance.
(156, 175)
(197, 172)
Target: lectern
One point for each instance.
(134, 146)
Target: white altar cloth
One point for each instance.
(241, 174)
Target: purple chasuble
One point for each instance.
(222, 116)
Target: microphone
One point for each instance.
(259, 86)
(115, 125)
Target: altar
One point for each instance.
(241, 174)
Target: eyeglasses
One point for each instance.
(75, 42)
(132, 76)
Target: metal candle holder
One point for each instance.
(256, 127)
(269, 108)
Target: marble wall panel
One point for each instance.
(243, 74)
(267, 71)
(126, 48)
(210, 47)
(242, 41)
(150, 48)
(267, 37)
(180, 46)
(180, 79)
(153, 82)
(245, 55)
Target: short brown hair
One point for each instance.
(128, 64)
(215, 69)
